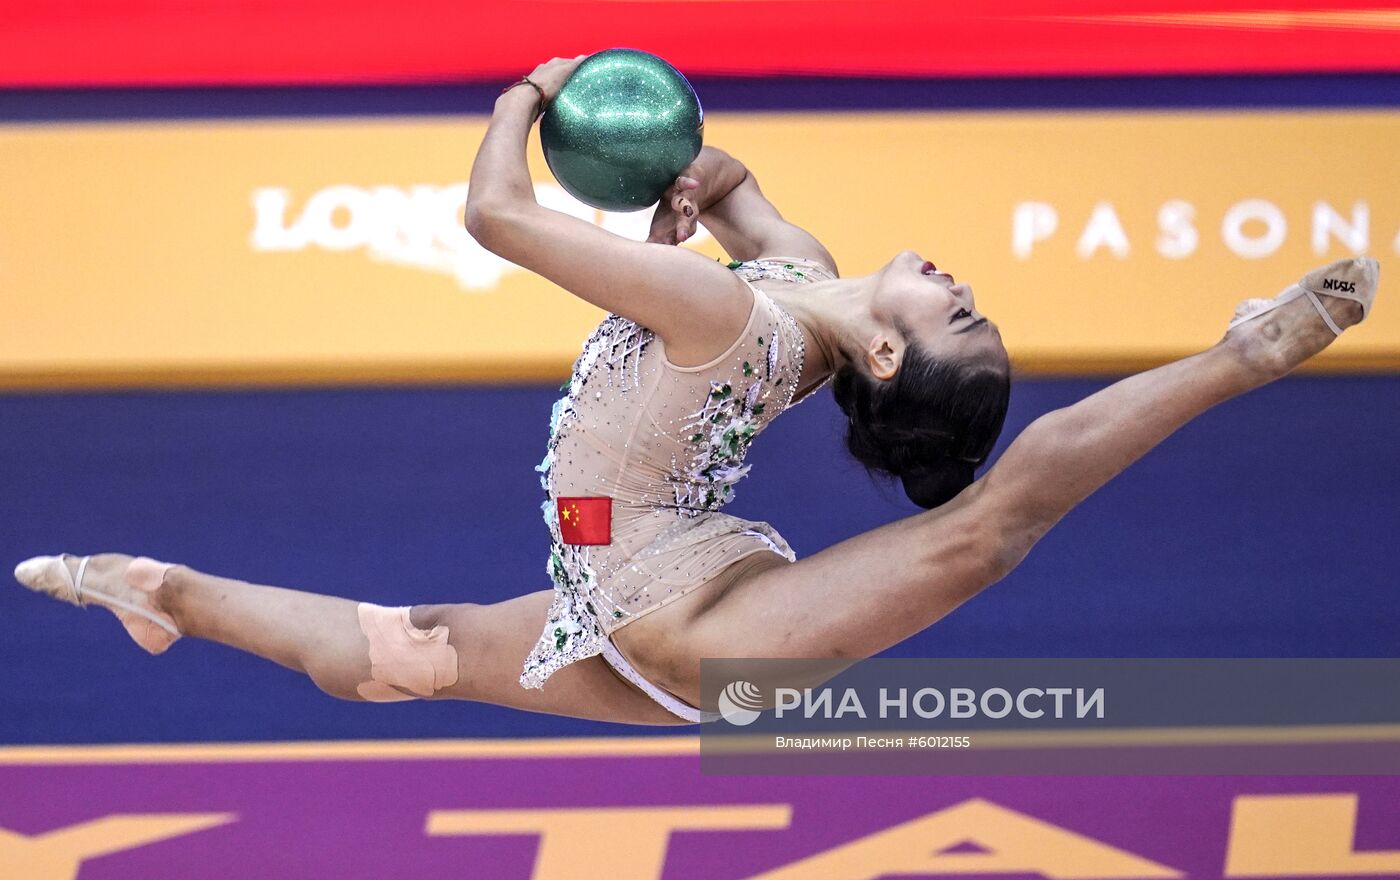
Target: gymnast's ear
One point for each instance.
(882, 357)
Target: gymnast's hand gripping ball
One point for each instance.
(621, 129)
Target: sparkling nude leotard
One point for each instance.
(667, 445)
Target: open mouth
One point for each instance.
(931, 269)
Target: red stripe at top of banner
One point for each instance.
(139, 42)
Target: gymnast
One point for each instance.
(694, 360)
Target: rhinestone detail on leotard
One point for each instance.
(746, 389)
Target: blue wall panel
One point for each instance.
(1266, 528)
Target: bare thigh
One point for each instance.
(849, 601)
(661, 644)
(493, 644)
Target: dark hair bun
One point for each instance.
(931, 425)
(931, 485)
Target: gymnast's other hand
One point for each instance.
(551, 75)
(678, 212)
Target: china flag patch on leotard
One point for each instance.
(585, 520)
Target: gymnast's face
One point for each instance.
(914, 301)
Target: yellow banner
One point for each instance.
(309, 251)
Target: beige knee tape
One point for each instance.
(403, 656)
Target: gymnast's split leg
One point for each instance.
(872, 591)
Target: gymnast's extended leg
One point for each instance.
(359, 651)
(865, 594)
